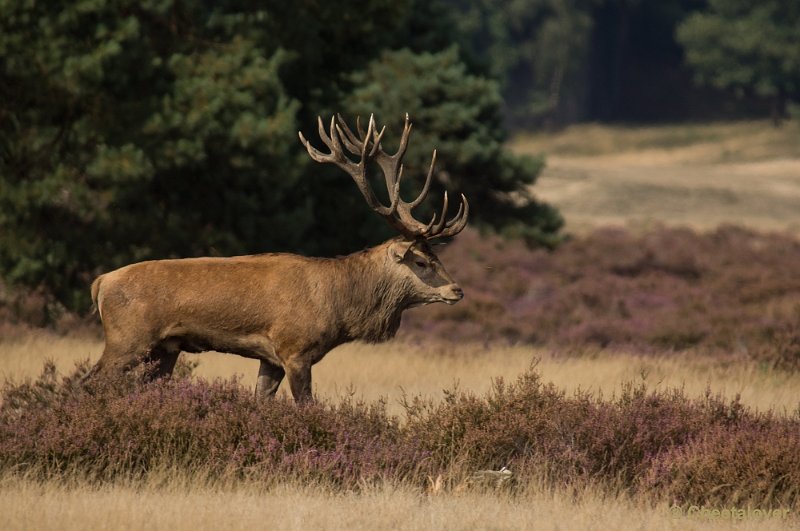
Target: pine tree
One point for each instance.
(747, 46)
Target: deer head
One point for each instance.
(421, 266)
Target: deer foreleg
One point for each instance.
(269, 378)
(299, 375)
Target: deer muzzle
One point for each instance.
(452, 293)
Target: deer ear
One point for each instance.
(398, 250)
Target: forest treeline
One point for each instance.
(149, 129)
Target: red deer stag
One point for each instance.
(286, 311)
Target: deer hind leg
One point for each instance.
(299, 375)
(118, 357)
(163, 356)
(124, 351)
(270, 376)
(127, 342)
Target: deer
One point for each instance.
(285, 310)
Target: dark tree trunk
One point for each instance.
(779, 113)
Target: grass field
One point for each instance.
(395, 369)
(698, 143)
(699, 176)
(183, 504)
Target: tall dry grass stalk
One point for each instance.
(178, 502)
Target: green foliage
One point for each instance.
(459, 115)
(536, 49)
(136, 130)
(747, 46)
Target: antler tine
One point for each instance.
(401, 151)
(424, 193)
(370, 129)
(355, 144)
(351, 146)
(455, 218)
(314, 152)
(459, 221)
(336, 147)
(427, 228)
(322, 134)
(347, 131)
(436, 229)
(376, 142)
(361, 132)
(394, 194)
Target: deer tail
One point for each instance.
(95, 291)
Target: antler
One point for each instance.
(367, 146)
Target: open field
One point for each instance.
(700, 176)
(395, 369)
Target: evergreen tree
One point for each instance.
(459, 115)
(132, 130)
(747, 46)
(537, 50)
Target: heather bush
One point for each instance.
(655, 443)
(659, 444)
(729, 291)
(755, 464)
(121, 428)
(528, 424)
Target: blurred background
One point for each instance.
(168, 128)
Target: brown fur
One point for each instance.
(285, 310)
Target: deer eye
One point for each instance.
(421, 264)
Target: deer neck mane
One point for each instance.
(374, 300)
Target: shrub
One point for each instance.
(660, 444)
(120, 428)
(756, 464)
(654, 443)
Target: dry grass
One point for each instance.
(699, 175)
(395, 369)
(23, 355)
(745, 141)
(180, 503)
